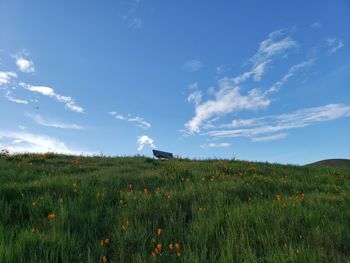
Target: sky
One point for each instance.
(250, 80)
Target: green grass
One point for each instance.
(216, 210)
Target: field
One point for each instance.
(56, 208)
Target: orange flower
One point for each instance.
(178, 254)
(145, 190)
(177, 246)
(171, 246)
(159, 247)
(51, 216)
(104, 259)
(105, 242)
(159, 230)
(153, 254)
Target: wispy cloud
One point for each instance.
(24, 64)
(272, 124)
(144, 140)
(12, 99)
(221, 69)
(270, 137)
(6, 76)
(136, 23)
(316, 24)
(52, 123)
(131, 18)
(229, 98)
(334, 44)
(23, 142)
(193, 85)
(291, 72)
(195, 97)
(216, 145)
(193, 65)
(140, 122)
(50, 92)
(277, 43)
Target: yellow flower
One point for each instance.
(104, 259)
(159, 230)
(278, 197)
(177, 246)
(159, 247)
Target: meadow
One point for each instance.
(57, 208)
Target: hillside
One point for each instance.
(342, 163)
(57, 208)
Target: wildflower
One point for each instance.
(153, 254)
(51, 216)
(159, 230)
(159, 247)
(278, 197)
(75, 190)
(74, 184)
(145, 191)
(105, 242)
(33, 203)
(178, 254)
(104, 259)
(177, 246)
(171, 246)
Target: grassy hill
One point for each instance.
(56, 208)
(345, 163)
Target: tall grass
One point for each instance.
(56, 208)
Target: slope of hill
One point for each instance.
(56, 208)
(343, 163)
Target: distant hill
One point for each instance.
(344, 163)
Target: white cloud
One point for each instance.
(193, 65)
(52, 123)
(25, 142)
(144, 140)
(270, 137)
(195, 97)
(297, 119)
(334, 44)
(12, 99)
(6, 76)
(140, 122)
(215, 145)
(276, 44)
(23, 64)
(228, 99)
(50, 92)
(22, 127)
(291, 72)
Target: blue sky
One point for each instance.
(254, 80)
